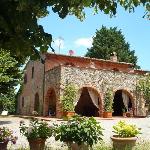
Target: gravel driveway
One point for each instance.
(13, 123)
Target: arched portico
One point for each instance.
(50, 103)
(88, 102)
(123, 100)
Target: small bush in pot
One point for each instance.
(67, 100)
(79, 130)
(125, 135)
(37, 132)
(108, 103)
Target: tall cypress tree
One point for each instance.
(111, 40)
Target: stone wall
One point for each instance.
(100, 80)
(31, 87)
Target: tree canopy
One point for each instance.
(19, 29)
(109, 40)
(10, 73)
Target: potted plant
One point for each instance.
(37, 132)
(67, 100)
(108, 104)
(79, 132)
(125, 136)
(6, 135)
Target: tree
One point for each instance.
(108, 41)
(19, 29)
(8, 102)
(10, 73)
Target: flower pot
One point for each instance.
(128, 114)
(37, 144)
(68, 114)
(3, 145)
(75, 146)
(107, 114)
(120, 143)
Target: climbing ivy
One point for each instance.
(143, 87)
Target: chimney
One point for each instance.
(113, 57)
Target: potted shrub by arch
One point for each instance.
(125, 136)
(67, 100)
(108, 104)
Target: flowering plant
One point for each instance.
(6, 135)
(36, 129)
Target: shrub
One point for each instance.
(68, 98)
(36, 129)
(123, 129)
(108, 101)
(79, 130)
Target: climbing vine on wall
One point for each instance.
(143, 87)
(68, 98)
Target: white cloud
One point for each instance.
(85, 42)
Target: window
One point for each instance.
(32, 72)
(22, 102)
(25, 78)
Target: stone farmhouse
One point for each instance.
(44, 85)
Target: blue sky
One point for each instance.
(72, 34)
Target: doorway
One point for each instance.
(85, 106)
(50, 103)
(122, 102)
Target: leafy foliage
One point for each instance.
(19, 29)
(10, 73)
(108, 41)
(8, 102)
(68, 97)
(122, 129)
(36, 129)
(79, 130)
(6, 62)
(108, 101)
(144, 86)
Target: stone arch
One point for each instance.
(36, 103)
(88, 102)
(123, 99)
(50, 103)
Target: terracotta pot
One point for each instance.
(75, 146)
(37, 144)
(120, 143)
(128, 114)
(3, 145)
(68, 114)
(107, 114)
